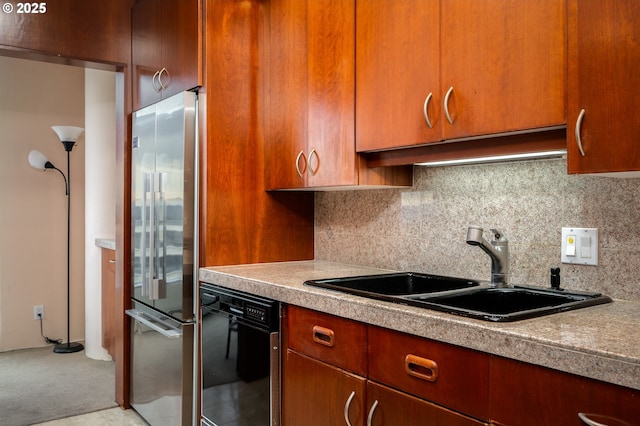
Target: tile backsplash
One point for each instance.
(423, 229)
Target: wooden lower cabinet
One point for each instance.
(108, 300)
(389, 407)
(524, 394)
(414, 381)
(319, 394)
(316, 393)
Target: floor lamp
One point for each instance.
(68, 136)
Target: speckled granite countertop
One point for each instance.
(601, 342)
(108, 243)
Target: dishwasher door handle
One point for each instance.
(156, 324)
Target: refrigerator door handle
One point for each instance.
(143, 235)
(156, 324)
(151, 283)
(162, 230)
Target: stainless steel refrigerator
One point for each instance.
(163, 264)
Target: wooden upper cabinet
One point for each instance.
(397, 73)
(165, 49)
(310, 136)
(506, 62)
(501, 67)
(604, 94)
(70, 29)
(310, 140)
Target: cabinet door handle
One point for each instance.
(371, 411)
(162, 85)
(596, 419)
(347, 404)
(425, 110)
(112, 261)
(324, 336)
(154, 81)
(578, 131)
(304, 168)
(422, 368)
(446, 105)
(313, 170)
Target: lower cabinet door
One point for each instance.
(318, 394)
(389, 407)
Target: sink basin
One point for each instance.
(398, 284)
(510, 304)
(461, 296)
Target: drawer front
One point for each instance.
(334, 340)
(454, 377)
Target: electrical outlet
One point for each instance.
(38, 312)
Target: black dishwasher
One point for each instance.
(240, 383)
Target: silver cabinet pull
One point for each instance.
(346, 407)
(425, 111)
(298, 169)
(371, 411)
(314, 170)
(589, 420)
(154, 80)
(112, 261)
(578, 131)
(162, 85)
(446, 105)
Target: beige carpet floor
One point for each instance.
(37, 385)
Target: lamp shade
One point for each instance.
(68, 133)
(37, 160)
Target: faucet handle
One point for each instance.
(499, 236)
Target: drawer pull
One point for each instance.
(421, 368)
(347, 404)
(323, 336)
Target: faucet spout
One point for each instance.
(498, 251)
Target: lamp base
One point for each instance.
(67, 348)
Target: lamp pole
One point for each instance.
(68, 347)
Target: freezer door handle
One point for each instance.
(156, 324)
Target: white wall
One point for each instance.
(33, 97)
(100, 195)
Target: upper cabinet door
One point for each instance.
(398, 100)
(146, 48)
(285, 140)
(604, 89)
(331, 154)
(165, 49)
(437, 70)
(310, 132)
(180, 46)
(53, 28)
(503, 66)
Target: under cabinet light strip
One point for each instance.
(495, 158)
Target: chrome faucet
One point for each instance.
(498, 251)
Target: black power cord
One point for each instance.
(46, 339)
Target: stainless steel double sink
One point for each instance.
(463, 297)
